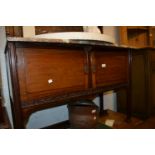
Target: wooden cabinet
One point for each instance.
(139, 36)
(14, 31)
(142, 83)
(48, 74)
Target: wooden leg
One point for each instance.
(102, 111)
(128, 105)
(129, 89)
(101, 103)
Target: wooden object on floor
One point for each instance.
(83, 115)
(51, 73)
(147, 124)
(120, 120)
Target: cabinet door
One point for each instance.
(44, 72)
(109, 67)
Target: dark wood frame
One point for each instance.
(17, 119)
(14, 31)
(22, 110)
(134, 31)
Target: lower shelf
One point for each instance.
(66, 125)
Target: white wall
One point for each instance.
(5, 90)
(28, 31)
(112, 31)
(47, 117)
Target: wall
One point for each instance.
(112, 31)
(5, 90)
(28, 31)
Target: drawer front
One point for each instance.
(51, 72)
(110, 68)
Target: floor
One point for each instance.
(148, 124)
(119, 121)
(116, 120)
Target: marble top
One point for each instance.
(64, 41)
(69, 41)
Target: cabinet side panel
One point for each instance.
(138, 88)
(138, 85)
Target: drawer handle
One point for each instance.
(50, 81)
(103, 65)
(93, 111)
